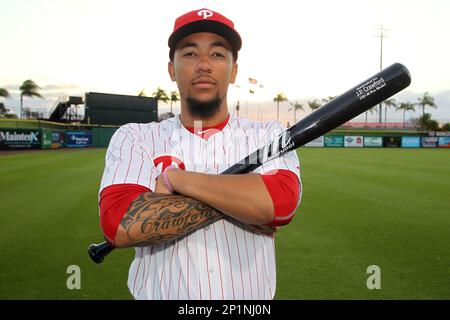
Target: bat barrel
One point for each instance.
(336, 112)
(98, 252)
(351, 103)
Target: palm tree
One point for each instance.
(406, 106)
(28, 89)
(4, 93)
(426, 100)
(314, 104)
(160, 95)
(174, 97)
(388, 104)
(142, 93)
(280, 97)
(425, 122)
(371, 110)
(296, 106)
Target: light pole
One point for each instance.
(382, 35)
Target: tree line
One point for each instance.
(424, 122)
(30, 89)
(161, 95)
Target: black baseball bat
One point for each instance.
(334, 113)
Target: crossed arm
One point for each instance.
(158, 217)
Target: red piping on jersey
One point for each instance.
(207, 132)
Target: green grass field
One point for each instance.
(360, 207)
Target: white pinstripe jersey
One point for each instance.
(224, 260)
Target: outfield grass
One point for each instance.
(360, 207)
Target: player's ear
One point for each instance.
(171, 70)
(234, 71)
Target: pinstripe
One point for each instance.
(149, 264)
(129, 163)
(140, 168)
(207, 263)
(187, 250)
(256, 265)
(179, 274)
(120, 159)
(137, 272)
(162, 272)
(143, 277)
(229, 258)
(248, 264)
(240, 263)
(155, 272)
(218, 260)
(171, 270)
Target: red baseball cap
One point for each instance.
(204, 20)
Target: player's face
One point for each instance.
(203, 67)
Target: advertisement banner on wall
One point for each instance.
(430, 142)
(57, 139)
(20, 139)
(373, 142)
(334, 141)
(444, 142)
(353, 141)
(410, 142)
(78, 139)
(392, 142)
(46, 139)
(318, 142)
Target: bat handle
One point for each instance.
(98, 252)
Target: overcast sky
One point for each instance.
(306, 49)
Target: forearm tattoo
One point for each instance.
(155, 218)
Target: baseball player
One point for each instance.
(198, 234)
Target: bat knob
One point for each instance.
(93, 253)
(98, 252)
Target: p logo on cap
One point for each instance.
(204, 20)
(205, 13)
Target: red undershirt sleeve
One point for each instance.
(284, 189)
(114, 203)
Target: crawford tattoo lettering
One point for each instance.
(155, 218)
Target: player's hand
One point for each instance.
(160, 186)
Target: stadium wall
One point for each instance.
(40, 134)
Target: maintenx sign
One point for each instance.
(76, 139)
(20, 139)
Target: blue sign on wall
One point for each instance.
(76, 139)
(429, 142)
(410, 142)
(444, 142)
